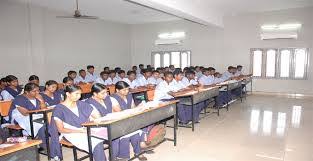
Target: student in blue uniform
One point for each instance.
(12, 90)
(35, 79)
(29, 100)
(3, 85)
(104, 78)
(67, 118)
(50, 94)
(123, 100)
(67, 81)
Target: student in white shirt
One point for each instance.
(155, 79)
(143, 81)
(207, 77)
(198, 72)
(239, 71)
(178, 76)
(229, 74)
(218, 78)
(81, 78)
(172, 68)
(189, 79)
(91, 76)
(112, 77)
(121, 75)
(104, 78)
(131, 79)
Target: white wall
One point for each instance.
(212, 46)
(49, 47)
(242, 33)
(204, 42)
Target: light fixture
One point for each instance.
(281, 27)
(173, 35)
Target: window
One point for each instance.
(287, 63)
(180, 59)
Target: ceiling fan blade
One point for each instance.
(65, 17)
(87, 17)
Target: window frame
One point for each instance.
(162, 53)
(278, 63)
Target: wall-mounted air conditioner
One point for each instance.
(167, 41)
(278, 35)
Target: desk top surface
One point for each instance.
(19, 146)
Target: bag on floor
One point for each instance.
(156, 135)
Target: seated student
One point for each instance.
(112, 77)
(229, 74)
(239, 71)
(172, 68)
(104, 78)
(123, 100)
(3, 85)
(184, 111)
(67, 118)
(155, 79)
(189, 79)
(82, 78)
(134, 68)
(91, 76)
(139, 71)
(218, 78)
(67, 81)
(164, 89)
(50, 95)
(12, 90)
(35, 79)
(72, 74)
(198, 72)
(107, 69)
(131, 79)
(208, 77)
(143, 81)
(29, 100)
(121, 75)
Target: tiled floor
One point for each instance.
(262, 128)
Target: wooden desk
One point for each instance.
(128, 124)
(21, 151)
(46, 123)
(194, 97)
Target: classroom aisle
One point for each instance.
(262, 128)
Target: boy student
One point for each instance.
(208, 76)
(82, 78)
(189, 79)
(229, 74)
(112, 76)
(121, 75)
(72, 74)
(104, 78)
(91, 76)
(131, 79)
(143, 81)
(155, 79)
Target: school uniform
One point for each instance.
(206, 80)
(227, 75)
(9, 94)
(52, 101)
(132, 84)
(238, 73)
(23, 121)
(91, 77)
(114, 80)
(119, 78)
(188, 82)
(72, 119)
(162, 89)
(199, 75)
(80, 79)
(142, 81)
(104, 82)
(154, 81)
(135, 137)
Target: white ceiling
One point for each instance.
(202, 11)
(113, 10)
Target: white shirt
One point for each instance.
(161, 90)
(206, 80)
(226, 75)
(114, 80)
(104, 82)
(188, 82)
(6, 96)
(91, 77)
(218, 80)
(79, 79)
(132, 84)
(238, 73)
(119, 78)
(142, 81)
(199, 74)
(154, 81)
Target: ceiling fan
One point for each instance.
(78, 15)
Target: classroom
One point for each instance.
(156, 80)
